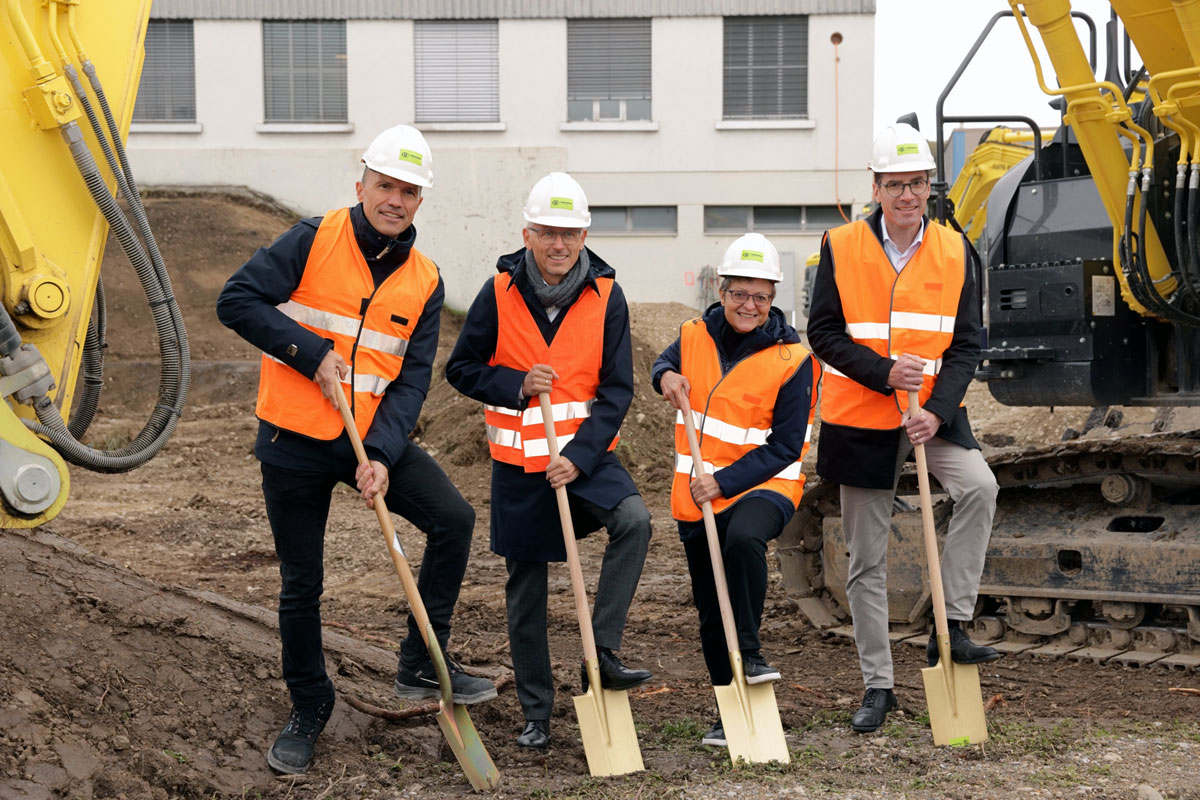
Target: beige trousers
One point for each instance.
(866, 518)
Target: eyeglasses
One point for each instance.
(919, 186)
(547, 236)
(739, 297)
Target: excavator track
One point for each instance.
(1094, 555)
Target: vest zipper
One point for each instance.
(362, 321)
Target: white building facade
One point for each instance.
(687, 123)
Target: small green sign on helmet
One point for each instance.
(907, 150)
(752, 255)
(562, 203)
(410, 155)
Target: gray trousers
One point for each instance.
(628, 527)
(866, 518)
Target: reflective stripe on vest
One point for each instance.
(334, 290)
(518, 437)
(911, 311)
(732, 414)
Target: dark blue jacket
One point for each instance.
(789, 424)
(524, 512)
(248, 303)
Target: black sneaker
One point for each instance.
(756, 668)
(421, 683)
(715, 736)
(292, 751)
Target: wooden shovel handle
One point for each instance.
(938, 596)
(568, 529)
(710, 532)
(389, 532)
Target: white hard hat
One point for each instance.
(558, 200)
(401, 153)
(751, 256)
(901, 148)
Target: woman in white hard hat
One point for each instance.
(751, 388)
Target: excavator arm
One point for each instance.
(69, 72)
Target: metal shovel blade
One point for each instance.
(458, 728)
(952, 690)
(750, 717)
(468, 748)
(606, 727)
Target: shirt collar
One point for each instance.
(887, 239)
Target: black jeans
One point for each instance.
(743, 532)
(298, 507)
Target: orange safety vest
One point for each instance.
(910, 311)
(519, 437)
(732, 414)
(370, 328)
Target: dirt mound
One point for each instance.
(139, 659)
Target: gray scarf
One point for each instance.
(563, 293)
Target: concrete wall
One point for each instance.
(689, 157)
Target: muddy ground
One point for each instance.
(139, 657)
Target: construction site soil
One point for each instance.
(140, 659)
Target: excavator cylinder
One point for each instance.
(1094, 127)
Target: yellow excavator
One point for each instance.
(69, 72)
(1089, 259)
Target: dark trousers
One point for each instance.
(298, 507)
(743, 532)
(628, 527)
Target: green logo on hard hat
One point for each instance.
(409, 155)
(564, 203)
(752, 255)
(906, 150)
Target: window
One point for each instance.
(457, 72)
(766, 67)
(608, 69)
(167, 92)
(304, 69)
(633, 219)
(739, 219)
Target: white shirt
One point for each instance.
(893, 253)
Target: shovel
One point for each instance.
(453, 719)
(749, 715)
(605, 721)
(951, 690)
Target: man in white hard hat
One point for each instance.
(895, 310)
(346, 303)
(554, 320)
(750, 386)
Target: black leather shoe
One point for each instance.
(292, 751)
(875, 707)
(536, 735)
(614, 674)
(962, 649)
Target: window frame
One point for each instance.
(803, 226)
(620, 70)
(740, 71)
(330, 78)
(168, 52)
(630, 229)
(435, 35)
